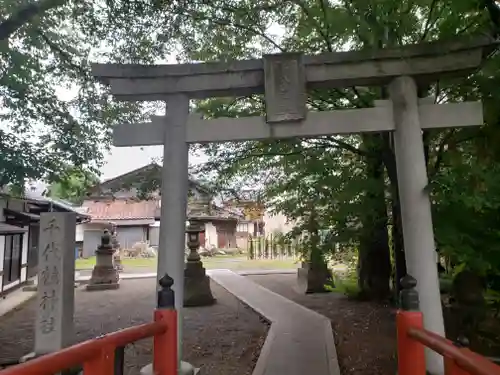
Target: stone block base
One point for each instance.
(312, 279)
(96, 287)
(104, 275)
(185, 369)
(197, 290)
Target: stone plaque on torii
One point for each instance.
(285, 79)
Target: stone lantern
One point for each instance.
(117, 256)
(197, 290)
(104, 275)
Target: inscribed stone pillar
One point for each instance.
(174, 192)
(56, 278)
(416, 215)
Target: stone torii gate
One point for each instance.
(284, 80)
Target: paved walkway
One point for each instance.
(300, 340)
(365, 333)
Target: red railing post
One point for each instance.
(411, 353)
(98, 356)
(450, 365)
(165, 361)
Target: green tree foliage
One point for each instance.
(350, 180)
(466, 211)
(73, 187)
(53, 113)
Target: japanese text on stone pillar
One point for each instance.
(50, 277)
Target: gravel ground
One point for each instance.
(223, 339)
(365, 333)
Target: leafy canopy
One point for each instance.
(53, 114)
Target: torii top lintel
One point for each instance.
(424, 61)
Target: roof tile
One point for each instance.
(121, 209)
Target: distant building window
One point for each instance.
(243, 227)
(12, 258)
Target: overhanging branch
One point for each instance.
(25, 15)
(64, 55)
(442, 145)
(224, 22)
(428, 22)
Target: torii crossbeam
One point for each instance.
(225, 129)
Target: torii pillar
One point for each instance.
(174, 189)
(418, 232)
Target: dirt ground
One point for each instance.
(223, 339)
(365, 333)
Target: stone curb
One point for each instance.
(134, 276)
(14, 300)
(82, 280)
(266, 272)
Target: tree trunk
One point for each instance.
(374, 263)
(397, 224)
(468, 303)
(397, 243)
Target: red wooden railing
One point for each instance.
(98, 355)
(413, 338)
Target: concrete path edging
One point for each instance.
(14, 299)
(267, 272)
(84, 279)
(299, 340)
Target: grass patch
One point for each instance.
(225, 256)
(346, 284)
(89, 263)
(240, 263)
(222, 262)
(84, 263)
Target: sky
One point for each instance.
(125, 159)
(120, 160)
